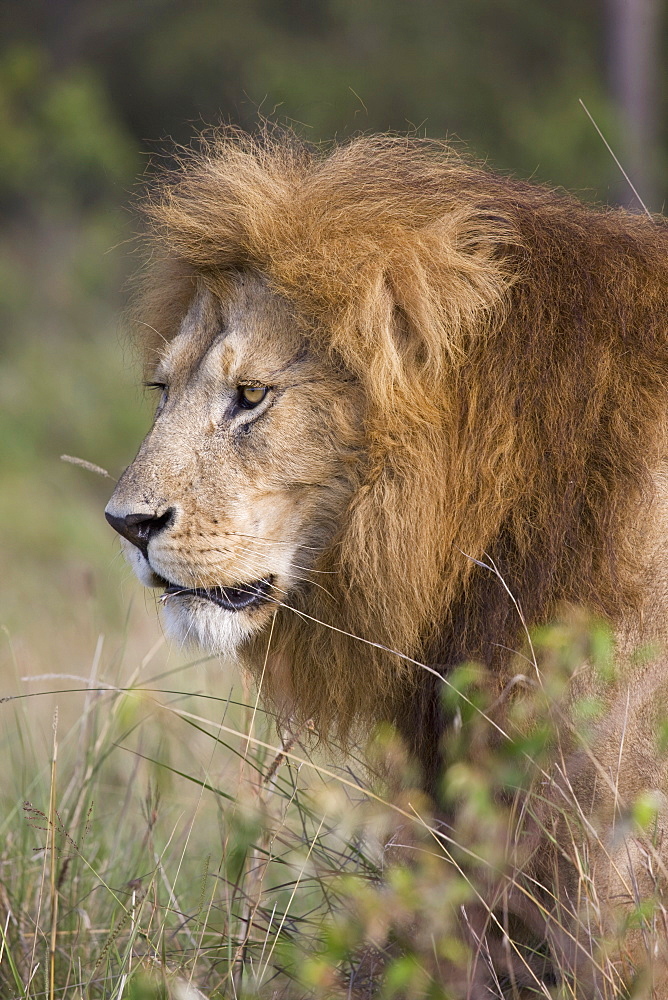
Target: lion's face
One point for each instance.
(244, 477)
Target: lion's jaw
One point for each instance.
(230, 502)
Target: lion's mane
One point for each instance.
(512, 346)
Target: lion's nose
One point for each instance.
(138, 528)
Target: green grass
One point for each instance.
(160, 840)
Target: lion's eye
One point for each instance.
(163, 393)
(250, 395)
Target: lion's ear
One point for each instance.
(445, 287)
(400, 349)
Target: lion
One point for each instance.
(407, 410)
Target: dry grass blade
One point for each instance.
(90, 466)
(52, 819)
(612, 154)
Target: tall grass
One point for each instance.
(160, 837)
(160, 840)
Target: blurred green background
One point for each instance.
(93, 94)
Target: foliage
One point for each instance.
(63, 147)
(170, 847)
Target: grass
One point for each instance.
(159, 841)
(149, 843)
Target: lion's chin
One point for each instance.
(193, 621)
(216, 619)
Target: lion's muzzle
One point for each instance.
(142, 528)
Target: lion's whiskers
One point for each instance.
(302, 579)
(270, 541)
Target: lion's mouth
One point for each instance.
(238, 598)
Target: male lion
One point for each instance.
(407, 407)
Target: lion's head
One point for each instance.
(383, 370)
(254, 456)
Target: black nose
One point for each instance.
(138, 528)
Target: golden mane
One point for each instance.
(512, 345)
